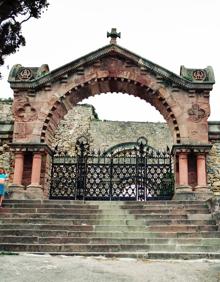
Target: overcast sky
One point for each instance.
(170, 33)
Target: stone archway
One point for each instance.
(157, 98)
(42, 98)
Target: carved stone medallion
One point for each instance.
(196, 114)
(25, 74)
(199, 75)
(26, 113)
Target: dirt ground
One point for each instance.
(46, 268)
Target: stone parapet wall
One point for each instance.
(6, 110)
(6, 124)
(213, 167)
(5, 157)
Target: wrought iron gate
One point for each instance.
(139, 173)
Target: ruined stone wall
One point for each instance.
(213, 167)
(6, 120)
(76, 123)
(105, 134)
(6, 110)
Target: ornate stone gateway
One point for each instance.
(42, 98)
(140, 173)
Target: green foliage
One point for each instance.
(8, 254)
(167, 184)
(13, 13)
(6, 100)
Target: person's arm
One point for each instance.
(6, 177)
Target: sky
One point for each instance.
(170, 33)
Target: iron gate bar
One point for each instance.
(141, 174)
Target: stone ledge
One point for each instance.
(192, 196)
(19, 192)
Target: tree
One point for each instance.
(13, 13)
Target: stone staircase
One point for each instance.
(154, 229)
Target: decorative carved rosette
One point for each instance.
(196, 114)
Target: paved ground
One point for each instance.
(36, 268)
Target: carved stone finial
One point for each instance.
(114, 34)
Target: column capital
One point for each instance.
(183, 155)
(27, 147)
(191, 148)
(201, 156)
(19, 154)
(37, 155)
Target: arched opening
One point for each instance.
(123, 107)
(110, 119)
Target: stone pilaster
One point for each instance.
(25, 153)
(183, 154)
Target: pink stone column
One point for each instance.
(36, 169)
(183, 169)
(19, 168)
(201, 170)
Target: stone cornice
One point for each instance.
(191, 148)
(23, 147)
(111, 49)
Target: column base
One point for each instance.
(19, 192)
(183, 188)
(15, 192)
(35, 192)
(183, 193)
(200, 193)
(203, 189)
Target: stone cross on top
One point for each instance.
(114, 34)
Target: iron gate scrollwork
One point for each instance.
(136, 173)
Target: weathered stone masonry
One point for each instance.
(6, 131)
(213, 158)
(102, 135)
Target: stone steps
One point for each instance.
(104, 203)
(47, 248)
(95, 216)
(106, 206)
(106, 211)
(168, 211)
(110, 234)
(106, 222)
(109, 228)
(112, 240)
(122, 228)
(152, 206)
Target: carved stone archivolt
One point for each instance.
(196, 114)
